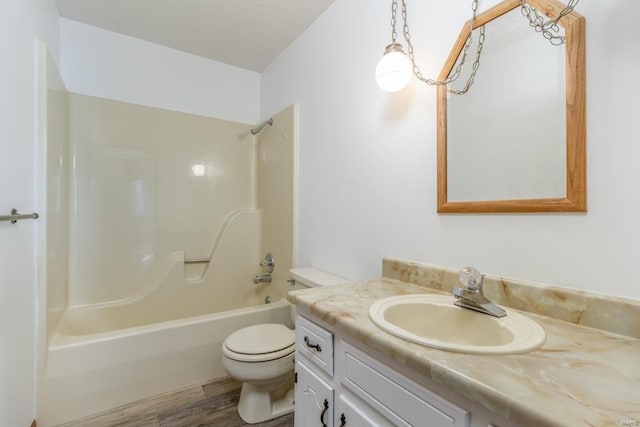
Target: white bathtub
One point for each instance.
(90, 368)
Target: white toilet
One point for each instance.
(262, 357)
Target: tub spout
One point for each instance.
(259, 278)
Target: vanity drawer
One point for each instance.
(402, 401)
(315, 343)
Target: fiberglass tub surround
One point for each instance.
(169, 215)
(149, 187)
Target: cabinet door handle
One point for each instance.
(316, 346)
(343, 421)
(324, 411)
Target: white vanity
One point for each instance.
(340, 382)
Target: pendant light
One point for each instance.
(393, 71)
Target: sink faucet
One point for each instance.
(472, 297)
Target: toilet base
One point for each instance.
(259, 403)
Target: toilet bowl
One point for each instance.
(262, 358)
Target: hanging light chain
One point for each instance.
(456, 73)
(474, 68)
(394, 9)
(549, 28)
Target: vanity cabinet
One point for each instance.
(314, 392)
(314, 398)
(339, 384)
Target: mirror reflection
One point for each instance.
(506, 136)
(515, 142)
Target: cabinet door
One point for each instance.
(352, 412)
(314, 399)
(395, 396)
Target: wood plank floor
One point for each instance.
(211, 404)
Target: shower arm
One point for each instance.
(255, 131)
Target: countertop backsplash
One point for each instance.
(607, 313)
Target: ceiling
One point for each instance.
(245, 33)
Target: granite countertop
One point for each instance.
(581, 376)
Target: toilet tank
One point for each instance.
(309, 277)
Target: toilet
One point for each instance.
(262, 358)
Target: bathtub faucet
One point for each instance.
(268, 263)
(259, 278)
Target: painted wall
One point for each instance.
(368, 158)
(105, 64)
(21, 23)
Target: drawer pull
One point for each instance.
(324, 411)
(316, 346)
(343, 421)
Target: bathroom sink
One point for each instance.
(433, 321)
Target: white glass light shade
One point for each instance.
(393, 72)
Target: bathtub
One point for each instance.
(97, 361)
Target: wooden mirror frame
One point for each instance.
(575, 83)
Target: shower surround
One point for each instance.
(168, 217)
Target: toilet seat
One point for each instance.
(259, 343)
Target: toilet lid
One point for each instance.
(260, 339)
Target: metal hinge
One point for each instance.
(295, 380)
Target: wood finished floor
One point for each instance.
(211, 404)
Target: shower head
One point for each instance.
(259, 128)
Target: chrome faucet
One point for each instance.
(472, 297)
(268, 264)
(259, 278)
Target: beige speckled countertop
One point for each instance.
(581, 376)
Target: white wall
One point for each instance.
(368, 159)
(21, 23)
(109, 65)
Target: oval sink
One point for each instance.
(433, 321)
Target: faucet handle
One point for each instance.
(471, 278)
(268, 263)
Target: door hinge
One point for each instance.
(295, 380)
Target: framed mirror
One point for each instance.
(516, 141)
